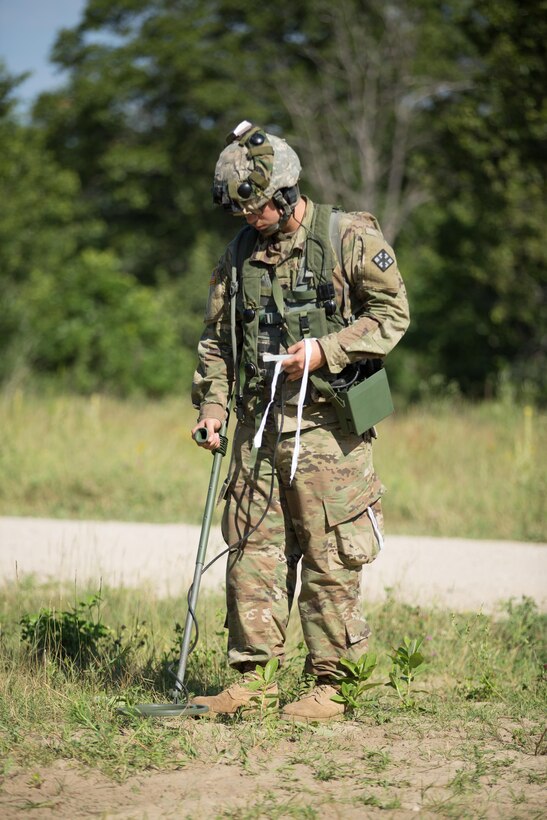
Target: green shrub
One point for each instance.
(101, 329)
(74, 635)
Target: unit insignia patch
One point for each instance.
(383, 260)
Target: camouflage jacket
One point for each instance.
(368, 286)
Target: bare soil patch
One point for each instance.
(345, 770)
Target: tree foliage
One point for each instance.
(432, 116)
(68, 308)
(360, 93)
(483, 259)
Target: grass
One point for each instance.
(100, 458)
(474, 471)
(460, 469)
(474, 740)
(470, 741)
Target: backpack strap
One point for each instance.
(319, 253)
(322, 385)
(334, 234)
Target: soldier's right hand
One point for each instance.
(213, 439)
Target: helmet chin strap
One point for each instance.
(285, 205)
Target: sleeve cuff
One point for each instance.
(212, 411)
(336, 358)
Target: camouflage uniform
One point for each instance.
(321, 518)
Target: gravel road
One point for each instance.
(458, 573)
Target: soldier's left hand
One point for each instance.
(294, 367)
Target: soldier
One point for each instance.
(322, 288)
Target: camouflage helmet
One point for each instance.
(254, 168)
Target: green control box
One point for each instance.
(363, 406)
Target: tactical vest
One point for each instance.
(272, 316)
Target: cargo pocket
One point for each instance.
(357, 631)
(354, 540)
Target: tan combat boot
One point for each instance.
(315, 705)
(237, 696)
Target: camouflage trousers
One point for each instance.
(323, 521)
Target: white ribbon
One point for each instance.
(376, 528)
(257, 441)
(301, 397)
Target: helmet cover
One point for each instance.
(252, 168)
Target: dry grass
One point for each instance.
(451, 470)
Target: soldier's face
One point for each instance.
(265, 218)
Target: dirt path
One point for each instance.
(460, 574)
(346, 771)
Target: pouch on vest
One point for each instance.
(312, 323)
(365, 404)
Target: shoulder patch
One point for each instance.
(383, 259)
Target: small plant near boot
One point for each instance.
(266, 677)
(353, 682)
(406, 660)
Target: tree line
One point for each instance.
(432, 116)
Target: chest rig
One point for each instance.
(274, 314)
